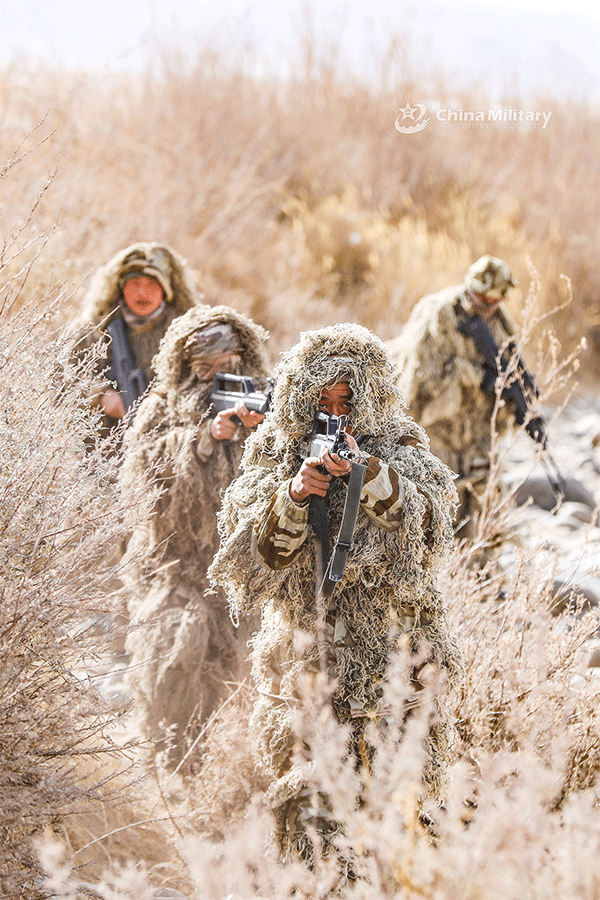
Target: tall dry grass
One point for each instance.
(302, 191)
(60, 524)
(284, 196)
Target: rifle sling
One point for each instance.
(337, 563)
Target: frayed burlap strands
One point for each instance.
(171, 365)
(390, 575)
(163, 439)
(439, 371)
(183, 639)
(306, 368)
(183, 650)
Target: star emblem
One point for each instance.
(415, 114)
(409, 112)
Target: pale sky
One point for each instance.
(578, 7)
(539, 45)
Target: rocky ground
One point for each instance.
(569, 531)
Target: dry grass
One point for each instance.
(302, 191)
(283, 196)
(59, 522)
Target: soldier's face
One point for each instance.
(337, 400)
(206, 367)
(143, 295)
(484, 305)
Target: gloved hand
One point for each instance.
(536, 428)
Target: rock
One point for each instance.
(588, 427)
(569, 595)
(538, 489)
(574, 515)
(594, 660)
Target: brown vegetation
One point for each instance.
(59, 522)
(302, 193)
(284, 197)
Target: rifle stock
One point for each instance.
(497, 364)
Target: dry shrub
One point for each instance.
(292, 191)
(229, 776)
(60, 522)
(505, 826)
(526, 682)
(130, 848)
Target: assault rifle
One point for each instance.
(330, 432)
(130, 380)
(514, 391)
(229, 389)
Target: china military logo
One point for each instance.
(412, 113)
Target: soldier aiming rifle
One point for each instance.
(398, 526)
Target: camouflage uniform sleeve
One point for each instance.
(382, 493)
(281, 532)
(205, 443)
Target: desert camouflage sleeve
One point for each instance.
(283, 529)
(382, 493)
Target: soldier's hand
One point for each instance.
(310, 479)
(112, 404)
(536, 428)
(247, 417)
(334, 464)
(221, 427)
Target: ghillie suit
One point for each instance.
(182, 644)
(448, 388)
(103, 303)
(388, 593)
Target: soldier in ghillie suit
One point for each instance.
(450, 386)
(388, 595)
(182, 645)
(131, 302)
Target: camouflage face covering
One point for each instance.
(345, 367)
(210, 347)
(490, 277)
(154, 265)
(212, 341)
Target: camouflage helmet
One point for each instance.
(152, 261)
(489, 276)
